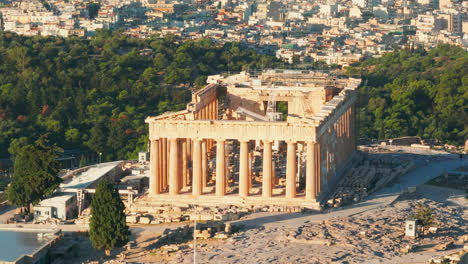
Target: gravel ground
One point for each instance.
(380, 244)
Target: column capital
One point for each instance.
(267, 141)
(243, 140)
(220, 139)
(289, 142)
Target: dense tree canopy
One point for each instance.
(35, 173)
(95, 94)
(107, 227)
(417, 93)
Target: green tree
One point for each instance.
(35, 174)
(20, 56)
(415, 93)
(72, 135)
(200, 81)
(107, 228)
(424, 215)
(16, 146)
(98, 137)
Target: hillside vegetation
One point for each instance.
(95, 94)
(417, 93)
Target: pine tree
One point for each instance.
(108, 228)
(35, 174)
(424, 215)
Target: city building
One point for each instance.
(71, 197)
(61, 206)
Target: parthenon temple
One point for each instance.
(275, 138)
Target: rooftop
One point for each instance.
(58, 198)
(87, 178)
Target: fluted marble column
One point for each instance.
(267, 168)
(160, 165)
(184, 163)
(173, 167)
(318, 161)
(310, 189)
(291, 170)
(244, 169)
(220, 168)
(204, 163)
(164, 163)
(154, 187)
(197, 168)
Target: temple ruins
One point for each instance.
(276, 138)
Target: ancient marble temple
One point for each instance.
(275, 138)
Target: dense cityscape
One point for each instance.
(336, 32)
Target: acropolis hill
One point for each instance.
(231, 146)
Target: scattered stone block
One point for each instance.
(132, 219)
(156, 221)
(282, 182)
(278, 191)
(170, 248)
(444, 246)
(364, 233)
(177, 209)
(204, 234)
(463, 238)
(228, 228)
(407, 249)
(145, 220)
(338, 202)
(221, 235)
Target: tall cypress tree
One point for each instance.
(108, 228)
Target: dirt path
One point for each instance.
(376, 200)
